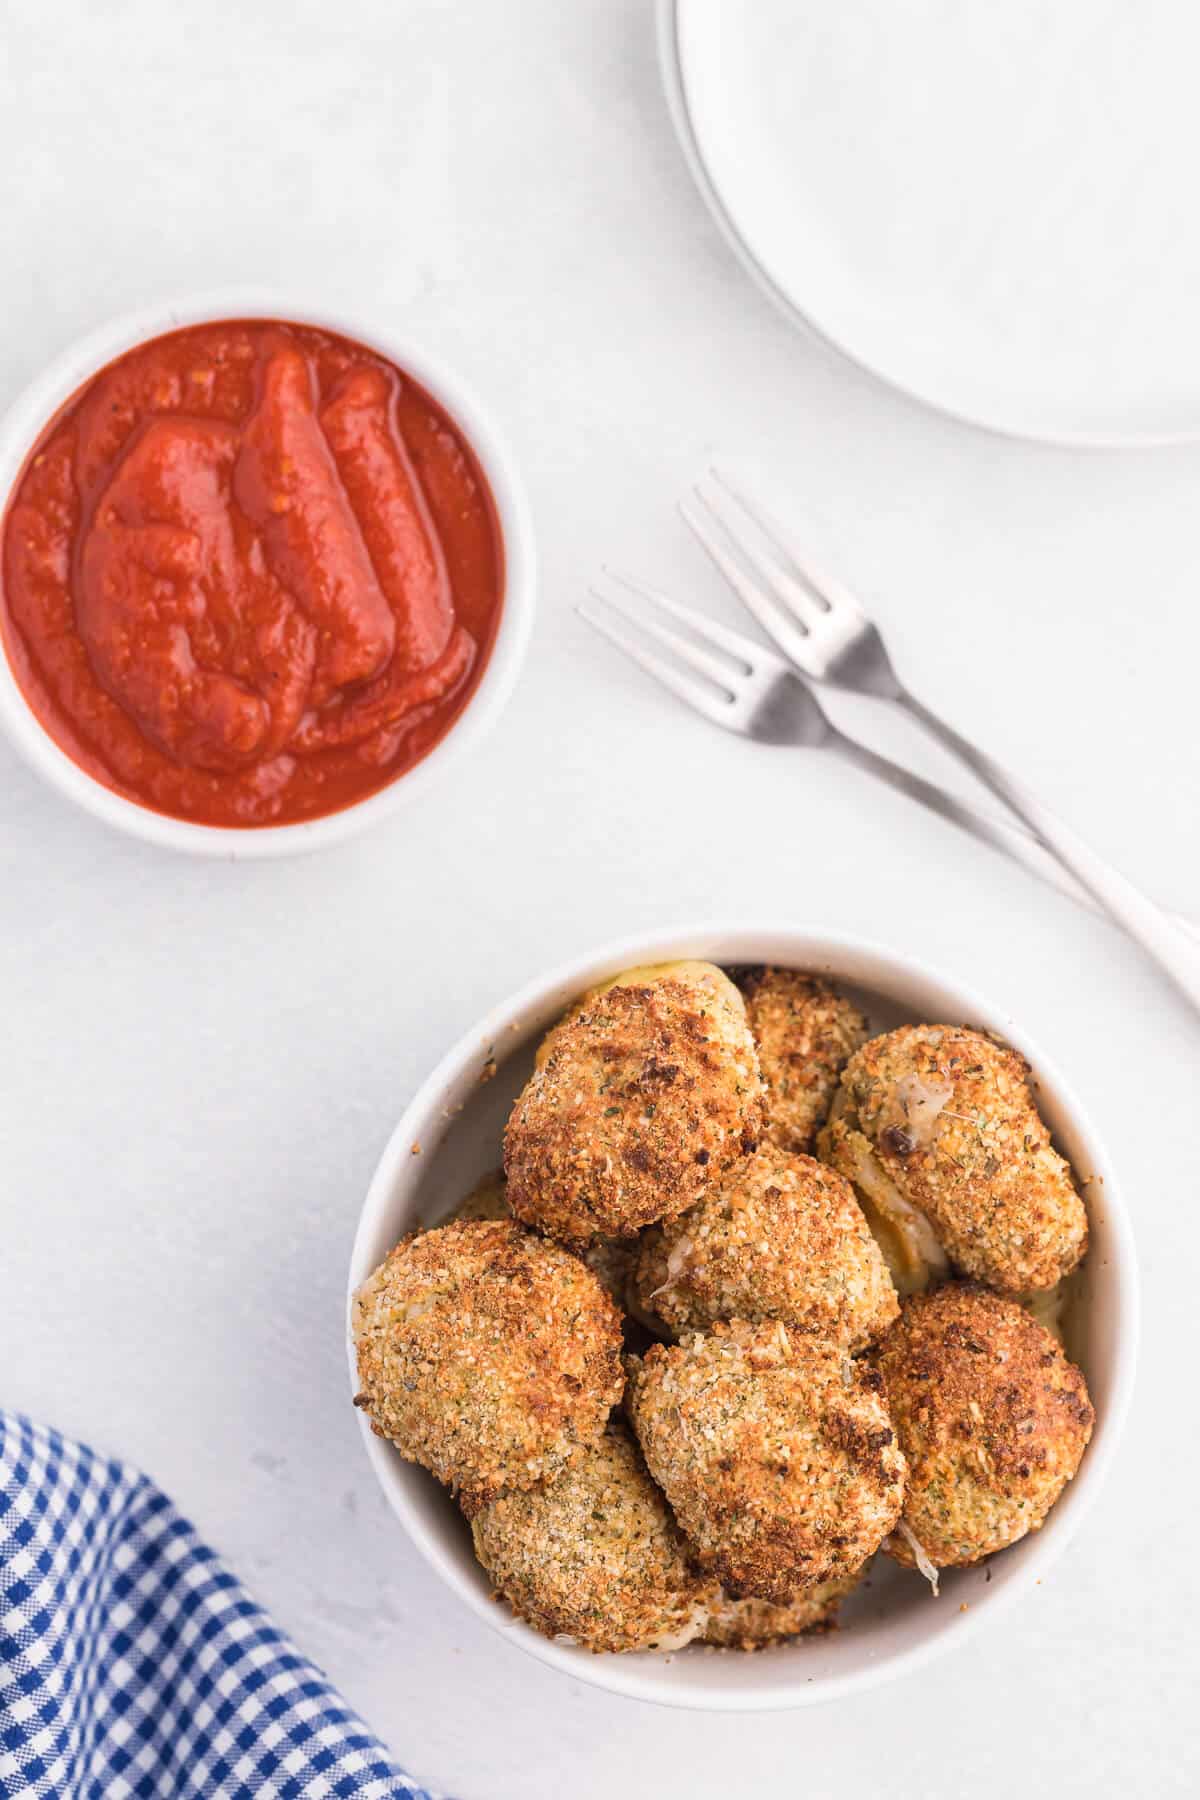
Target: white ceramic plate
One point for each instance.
(992, 207)
(450, 1134)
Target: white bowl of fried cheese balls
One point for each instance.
(738, 1317)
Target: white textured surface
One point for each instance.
(200, 1064)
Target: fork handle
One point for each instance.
(1013, 840)
(1142, 920)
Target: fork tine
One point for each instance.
(728, 511)
(696, 694)
(713, 668)
(745, 652)
(778, 621)
(828, 592)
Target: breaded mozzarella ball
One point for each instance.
(487, 1355)
(805, 1032)
(775, 1451)
(782, 1238)
(644, 1097)
(947, 1118)
(991, 1416)
(594, 1557)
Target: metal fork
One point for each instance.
(742, 686)
(825, 634)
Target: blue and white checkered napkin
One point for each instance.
(132, 1663)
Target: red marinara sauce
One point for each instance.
(251, 573)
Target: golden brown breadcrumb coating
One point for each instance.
(594, 1556)
(753, 1624)
(805, 1033)
(782, 1238)
(701, 977)
(949, 1118)
(609, 1259)
(992, 1418)
(486, 1354)
(644, 1098)
(775, 1451)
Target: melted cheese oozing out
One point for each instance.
(679, 1259)
(687, 1633)
(928, 1569)
(920, 1102)
(910, 1246)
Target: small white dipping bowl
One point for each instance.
(450, 1134)
(32, 411)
